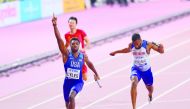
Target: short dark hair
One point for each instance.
(136, 36)
(74, 39)
(73, 18)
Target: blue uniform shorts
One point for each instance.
(145, 75)
(69, 86)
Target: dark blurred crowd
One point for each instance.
(112, 2)
(120, 2)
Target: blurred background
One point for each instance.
(26, 30)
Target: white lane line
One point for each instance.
(128, 86)
(49, 81)
(60, 77)
(166, 92)
(127, 104)
(112, 73)
(91, 82)
(172, 101)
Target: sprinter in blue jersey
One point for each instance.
(141, 66)
(73, 62)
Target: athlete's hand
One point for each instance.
(96, 77)
(161, 48)
(54, 20)
(112, 53)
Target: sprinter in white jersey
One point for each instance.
(141, 66)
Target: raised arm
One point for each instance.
(157, 47)
(91, 66)
(60, 42)
(125, 50)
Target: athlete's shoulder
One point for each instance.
(145, 41)
(67, 36)
(84, 54)
(81, 31)
(149, 43)
(67, 33)
(130, 45)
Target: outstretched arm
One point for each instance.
(91, 66)
(125, 50)
(157, 47)
(60, 42)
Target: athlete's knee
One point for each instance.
(150, 88)
(134, 81)
(72, 96)
(67, 105)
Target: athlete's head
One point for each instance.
(136, 39)
(72, 22)
(74, 43)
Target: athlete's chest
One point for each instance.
(139, 52)
(76, 34)
(75, 62)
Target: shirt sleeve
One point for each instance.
(83, 34)
(67, 38)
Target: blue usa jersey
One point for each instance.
(73, 67)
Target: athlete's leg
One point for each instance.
(148, 80)
(66, 92)
(74, 91)
(135, 78)
(67, 105)
(72, 99)
(134, 82)
(150, 91)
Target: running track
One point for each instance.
(170, 70)
(171, 74)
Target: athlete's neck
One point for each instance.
(75, 54)
(73, 31)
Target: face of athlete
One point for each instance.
(138, 43)
(74, 46)
(72, 24)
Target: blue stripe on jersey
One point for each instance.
(144, 44)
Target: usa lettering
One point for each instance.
(75, 64)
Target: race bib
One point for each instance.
(73, 73)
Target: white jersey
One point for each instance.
(141, 59)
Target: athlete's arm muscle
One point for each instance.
(125, 50)
(156, 47)
(91, 66)
(60, 42)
